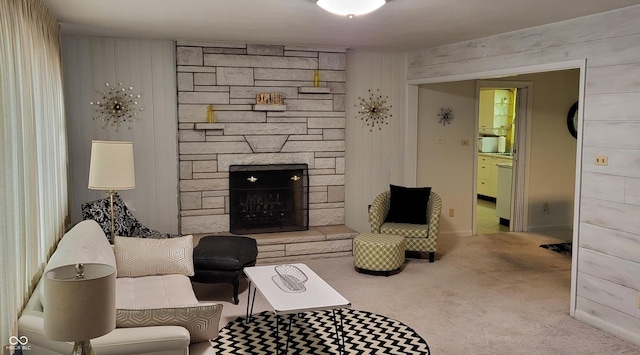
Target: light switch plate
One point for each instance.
(439, 140)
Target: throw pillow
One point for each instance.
(145, 257)
(100, 211)
(200, 320)
(408, 204)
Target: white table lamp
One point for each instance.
(79, 304)
(111, 168)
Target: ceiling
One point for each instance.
(400, 25)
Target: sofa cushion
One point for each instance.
(408, 204)
(84, 243)
(201, 320)
(154, 292)
(143, 257)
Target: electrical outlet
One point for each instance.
(464, 142)
(439, 140)
(602, 160)
(451, 212)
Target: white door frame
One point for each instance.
(411, 142)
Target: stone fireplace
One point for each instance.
(308, 128)
(268, 198)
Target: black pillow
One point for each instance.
(408, 204)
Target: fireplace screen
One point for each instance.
(268, 198)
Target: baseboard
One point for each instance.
(548, 228)
(605, 326)
(464, 233)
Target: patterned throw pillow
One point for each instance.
(200, 320)
(137, 257)
(100, 211)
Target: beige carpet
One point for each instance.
(487, 294)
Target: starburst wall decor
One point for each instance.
(118, 106)
(445, 116)
(374, 111)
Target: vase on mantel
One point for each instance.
(210, 116)
(316, 78)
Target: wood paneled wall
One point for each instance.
(148, 66)
(609, 203)
(375, 158)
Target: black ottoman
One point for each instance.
(221, 259)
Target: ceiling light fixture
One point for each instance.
(350, 8)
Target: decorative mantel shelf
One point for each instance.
(269, 107)
(210, 126)
(314, 90)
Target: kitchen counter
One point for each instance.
(500, 155)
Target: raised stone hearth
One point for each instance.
(308, 128)
(315, 243)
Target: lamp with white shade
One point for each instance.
(111, 168)
(350, 8)
(79, 304)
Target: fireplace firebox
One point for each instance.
(268, 198)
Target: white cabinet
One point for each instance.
(494, 109)
(484, 176)
(488, 173)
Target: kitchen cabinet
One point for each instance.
(484, 176)
(495, 106)
(488, 173)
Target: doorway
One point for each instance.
(502, 205)
(497, 112)
(542, 188)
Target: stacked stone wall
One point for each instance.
(309, 129)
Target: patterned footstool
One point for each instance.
(378, 252)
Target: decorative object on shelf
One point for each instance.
(316, 78)
(118, 106)
(80, 304)
(445, 116)
(270, 98)
(210, 117)
(572, 120)
(111, 168)
(374, 111)
(350, 8)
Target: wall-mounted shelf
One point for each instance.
(314, 90)
(269, 107)
(210, 126)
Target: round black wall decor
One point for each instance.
(572, 120)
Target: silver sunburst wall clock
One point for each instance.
(119, 105)
(445, 116)
(374, 111)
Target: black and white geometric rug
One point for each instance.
(314, 333)
(562, 248)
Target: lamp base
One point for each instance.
(83, 348)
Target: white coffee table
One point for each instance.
(314, 294)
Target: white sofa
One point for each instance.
(85, 243)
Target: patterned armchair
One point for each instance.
(125, 223)
(421, 238)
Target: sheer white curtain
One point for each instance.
(33, 152)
